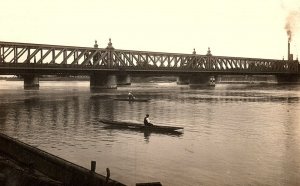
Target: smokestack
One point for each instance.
(288, 57)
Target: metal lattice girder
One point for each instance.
(86, 58)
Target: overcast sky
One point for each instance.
(241, 28)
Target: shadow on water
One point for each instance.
(146, 133)
(31, 101)
(107, 91)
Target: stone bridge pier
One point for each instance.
(183, 80)
(196, 80)
(123, 79)
(288, 79)
(201, 80)
(31, 81)
(103, 80)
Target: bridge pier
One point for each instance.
(288, 79)
(31, 81)
(103, 81)
(201, 80)
(183, 80)
(123, 79)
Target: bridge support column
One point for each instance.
(123, 79)
(103, 81)
(202, 80)
(288, 79)
(183, 80)
(31, 81)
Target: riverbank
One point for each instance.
(13, 173)
(22, 164)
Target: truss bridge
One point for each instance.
(102, 64)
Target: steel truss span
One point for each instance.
(51, 59)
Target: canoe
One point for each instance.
(140, 126)
(136, 99)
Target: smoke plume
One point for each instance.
(292, 20)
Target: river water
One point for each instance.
(233, 134)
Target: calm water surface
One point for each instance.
(233, 134)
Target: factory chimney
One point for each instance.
(288, 56)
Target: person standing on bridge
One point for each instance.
(147, 121)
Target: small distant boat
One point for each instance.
(136, 99)
(141, 127)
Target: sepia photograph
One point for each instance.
(149, 93)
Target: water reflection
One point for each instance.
(232, 135)
(245, 98)
(292, 149)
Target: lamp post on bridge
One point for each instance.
(97, 56)
(95, 45)
(110, 49)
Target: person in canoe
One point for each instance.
(130, 96)
(147, 121)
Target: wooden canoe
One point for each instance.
(136, 99)
(140, 126)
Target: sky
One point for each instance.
(239, 28)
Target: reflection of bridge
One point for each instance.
(109, 66)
